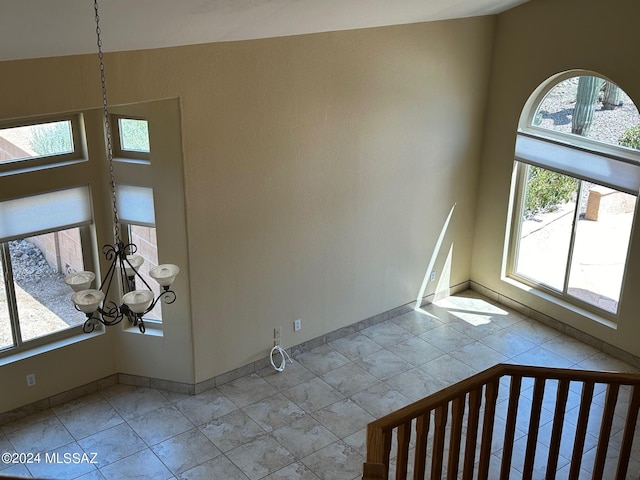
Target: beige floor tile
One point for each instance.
(261, 457)
(232, 430)
(309, 422)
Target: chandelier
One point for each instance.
(134, 303)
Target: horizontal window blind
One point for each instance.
(45, 212)
(135, 205)
(597, 168)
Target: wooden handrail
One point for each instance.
(466, 396)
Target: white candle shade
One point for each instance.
(79, 281)
(87, 301)
(164, 274)
(135, 261)
(138, 300)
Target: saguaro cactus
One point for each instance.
(586, 99)
(612, 97)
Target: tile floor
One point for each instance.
(305, 423)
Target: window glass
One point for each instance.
(145, 239)
(6, 339)
(584, 250)
(592, 108)
(600, 247)
(545, 231)
(134, 134)
(39, 265)
(38, 140)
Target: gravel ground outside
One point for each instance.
(556, 110)
(44, 300)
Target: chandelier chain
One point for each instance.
(137, 297)
(107, 126)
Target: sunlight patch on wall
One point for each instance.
(443, 289)
(432, 260)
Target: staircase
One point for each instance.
(513, 421)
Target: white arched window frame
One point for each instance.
(611, 166)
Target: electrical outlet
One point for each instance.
(297, 325)
(433, 276)
(276, 336)
(31, 380)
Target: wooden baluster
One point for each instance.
(378, 451)
(422, 432)
(404, 435)
(386, 453)
(629, 430)
(556, 431)
(374, 471)
(457, 417)
(472, 434)
(581, 430)
(510, 427)
(491, 395)
(534, 425)
(605, 430)
(438, 440)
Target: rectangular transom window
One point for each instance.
(40, 144)
(131, 138)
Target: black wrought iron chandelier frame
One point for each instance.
(111, 313)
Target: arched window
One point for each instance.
(576, 181)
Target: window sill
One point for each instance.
(48, 347)
(151, 329)
(594, 317)
(13, 169)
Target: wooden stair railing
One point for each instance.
(458, 424)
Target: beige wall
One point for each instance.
(534, 42)
(318, 172)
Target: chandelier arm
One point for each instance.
(108, 277)
(135, 319)
(125, 285)
(89, 325)
(136, 275)
(168, 295)
(112, 312)
(110, 251)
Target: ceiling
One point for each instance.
(47, 28)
